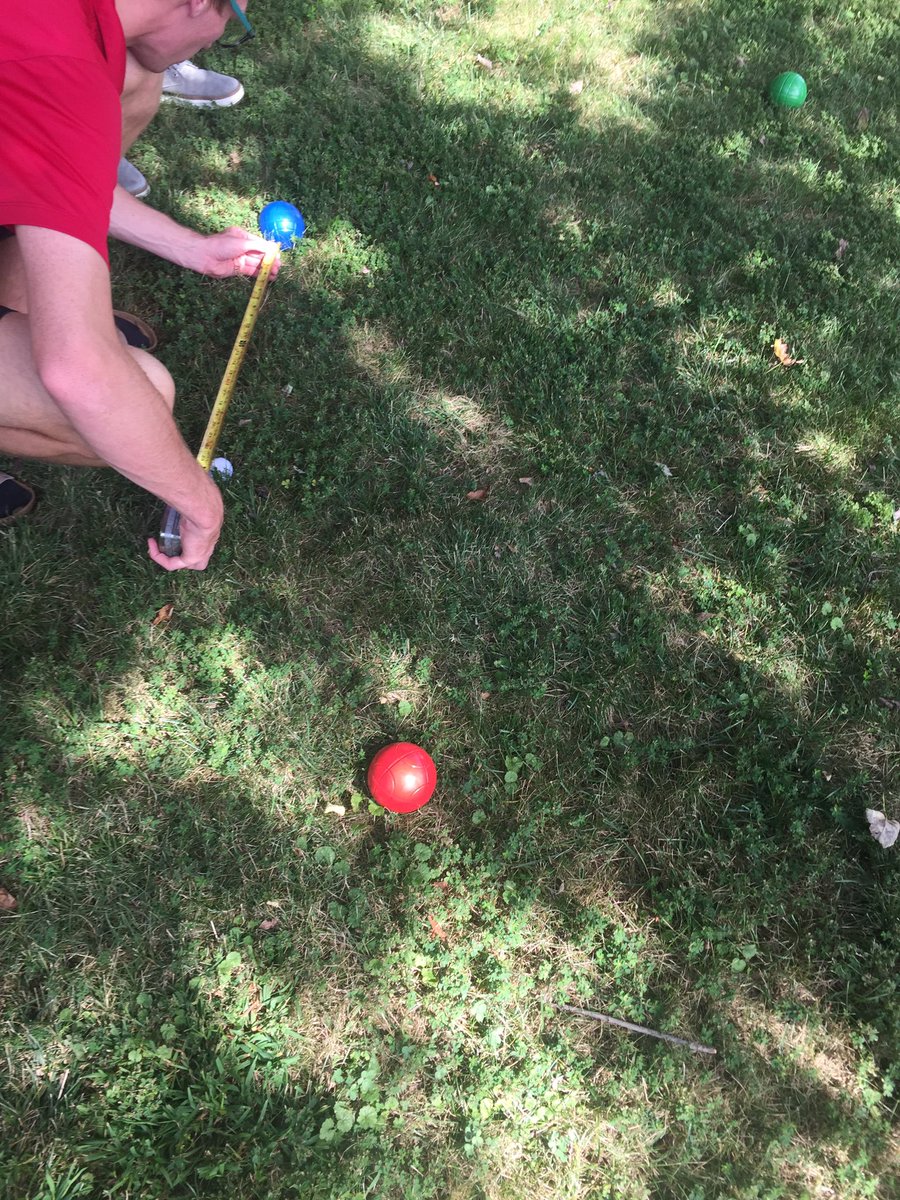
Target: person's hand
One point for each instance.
(232, 252)
(198, 540)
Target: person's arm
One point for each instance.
(104, 394)
(231, 252)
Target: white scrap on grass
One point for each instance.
(882, 830)
(222, 467)
(897, 514)
(667, 471)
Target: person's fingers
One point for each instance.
(171, 564)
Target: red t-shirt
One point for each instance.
(62, 67)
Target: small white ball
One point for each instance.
(221, 466)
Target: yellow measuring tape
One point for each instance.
(238, 350)
(170, 528)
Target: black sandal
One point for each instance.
(16, 499)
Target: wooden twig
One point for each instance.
(666, 1037)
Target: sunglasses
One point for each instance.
(248, 34)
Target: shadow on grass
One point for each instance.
(561, 311)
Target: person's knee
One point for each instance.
(140, 99)
(157, 374)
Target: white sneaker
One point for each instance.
(184, 83)
(132, 180)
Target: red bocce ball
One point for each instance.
(402, 777)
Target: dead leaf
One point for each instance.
(576, 87)
(843, 245)
(484, 62)
(436, 929)
(704, 616)
(497, 551)
(528, 480)
(163, 615)
(269, 924)
(478, 494)
(337, 809)
(234, 159)
(882, 830)
(8, 902)
(254, 1003)
(434, 179)
(862, 119)
(667, 471)
(783, 354)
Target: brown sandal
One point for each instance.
(136, 332)
(16, 499)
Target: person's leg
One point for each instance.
(183, 83)
(13, 293)
(140, 100)
(31, 423)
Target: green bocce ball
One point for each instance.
(788, 90)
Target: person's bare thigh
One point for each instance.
(31, 423)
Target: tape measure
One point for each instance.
(207, 450)
(170, 529)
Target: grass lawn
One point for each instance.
(550, 246)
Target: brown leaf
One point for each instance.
(163, 615)
(783, 354)
(478, 494)
(484, 62)
(436, 929)
(862, 119)
(254, 1003)
(704, 616)
(528, 480)
(8, 902)
(269, 924)
(434, 179)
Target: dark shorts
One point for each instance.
(4, 310)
